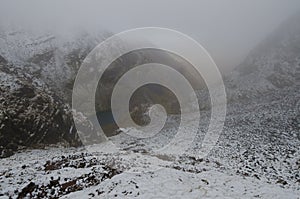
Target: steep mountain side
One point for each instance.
(272, 66)
(51, 57)
(45, 64)
(30, 114)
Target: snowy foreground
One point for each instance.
(88, 171)
(76, 174)
(257, 156)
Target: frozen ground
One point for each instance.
(257, 156)
(78, 175)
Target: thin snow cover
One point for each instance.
(170, 183)
(259, 160)
(257, 154)
(9, 81)
(246, 162)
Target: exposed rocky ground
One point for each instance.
(31, 115)
(256, 157)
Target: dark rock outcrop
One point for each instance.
(31, 115)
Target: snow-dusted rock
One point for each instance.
(31, 115)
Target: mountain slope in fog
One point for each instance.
(48, 63)
(272, 66)
(54, 58)
(257, 155)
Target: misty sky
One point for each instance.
(228, 29)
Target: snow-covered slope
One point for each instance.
(37, 70)
(31, 115)
(52, 57)
(273, 65)
(257, 155)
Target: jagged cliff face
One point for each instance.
(272, 66)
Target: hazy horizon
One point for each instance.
(227, 29)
